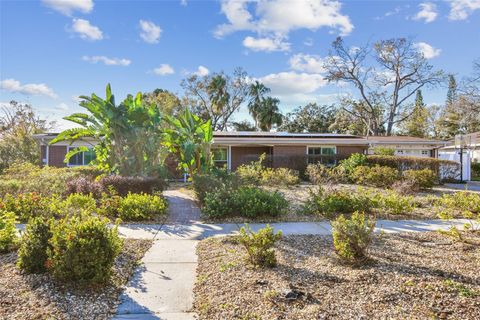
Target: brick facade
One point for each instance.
(289, 156)
(348, 150)
(56, 156)
(245, 155)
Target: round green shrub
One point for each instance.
(254, 202)
(34, 245)
(8, 231)
(140, 206)
(83, 249)
(377, 176)
(424, 179)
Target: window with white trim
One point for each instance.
(322, 154)
(82, 158)
(220, 157)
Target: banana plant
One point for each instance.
(190, 138)
(129, 133)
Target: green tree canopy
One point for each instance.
(310, 118)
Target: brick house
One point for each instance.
(293, 150)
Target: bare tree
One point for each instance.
(386, 74)
(217, 96)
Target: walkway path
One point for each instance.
(162, 288)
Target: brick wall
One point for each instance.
(348, 150)
(292, 157)
(245, 155)
(56, 156)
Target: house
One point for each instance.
(293, 150)
(407, 146)
(470, 143)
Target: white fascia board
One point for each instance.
(286, 141)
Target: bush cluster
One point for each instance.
(217, 180)
(256, 173)
(421, 179)
(245, 201)
(377, 176)
(78, 248)
(140, 206)
(259, 245)
(320, 174)
(331, 203)
(352, 237)
(393, 203)
(8, 232)
(465, 204)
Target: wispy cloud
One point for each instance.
(428, 12)
(150, 31)
(107, 61)
(163, 70)
(39, 89)
(86, 30)
(427, 50)
(67, 7)
(462, 9)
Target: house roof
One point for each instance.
(252, 134)
(403, 140)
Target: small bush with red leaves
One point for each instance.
(124, 185)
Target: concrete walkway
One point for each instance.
(162, 287)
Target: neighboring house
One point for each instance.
(407, 146)
(471, 146)
(293, 150)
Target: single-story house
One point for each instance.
(470, 144)
(294, 150)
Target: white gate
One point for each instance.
(455, 156)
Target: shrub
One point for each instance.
(253, 202)
(140, 206)
(464, 203)
(8, 231)
(445, 169)
(246, 201)
(377, 176)
(252, 173)
(216, 180)
(332, 203)
(352, 237)
(319, 174)
(85, 185)
(279, 177)
(83, 249)
(394, 203)
(405, 187)
(34, 245)
(354, 161)
(383, 151)
(24, 205)
(259, 245)
(124, 185)
(424, 179)
(475, 168)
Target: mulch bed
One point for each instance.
(38, 296)
(409, 276)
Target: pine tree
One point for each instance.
(452, 91)
(451, 118)
(417, 124)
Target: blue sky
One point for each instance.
(51, 51)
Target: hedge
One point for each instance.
(445, 169)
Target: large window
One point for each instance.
(82, 158)
(324, 155)
(220, 157)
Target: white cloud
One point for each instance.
(428, 12)
(308, 42)
(86, 30)
(164, 69)
(427, 50)
(150, 31)
(462, 9)
(107, 61)
(67, 7)
(201, 71)
(183, 3)
(266, 44)
(276, 18)
(15, 86)
(307, 63)
(284, 83)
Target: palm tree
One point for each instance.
(257, 91)
(269, 114)
(218, 94)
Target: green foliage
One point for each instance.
(352, 237)
(18, 124)
(376, 176)
(447, 168)
(252, 173)
(310, 118)
(8, 232)
(279, 177)
(129, 137)
(383, 151)
(124, 185)
(83, 250)
(354, 161)
(424, 179)
(190, 138)
(24, 205)
(475, 171)
(393, 203)
(331, 203)
(246, 201)
(259, 245)
(466, 204)
(214, 181)
(318, 173)
(34, 245)
(139, 206)
(417, 125)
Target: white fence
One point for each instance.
(454, 155)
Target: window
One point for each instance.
(82, 158)
(425, 152)
(220, 157)
(324, 155)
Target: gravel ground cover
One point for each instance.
(38, 296)
(409, 276)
